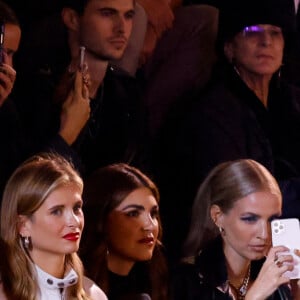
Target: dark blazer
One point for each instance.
(199, 279)
(113, 132)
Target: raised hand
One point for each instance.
(76, 109)
(7, 80)
(271, 275)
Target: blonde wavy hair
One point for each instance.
(26, 190)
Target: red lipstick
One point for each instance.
(74, 236)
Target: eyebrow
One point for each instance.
(140, 207)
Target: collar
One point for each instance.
(211, 265)
(51, 282)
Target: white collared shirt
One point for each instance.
(52, 288)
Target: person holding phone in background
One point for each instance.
(228, 252)
(10, 36)
(14, 144)
(106, 128)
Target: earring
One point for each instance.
(221, 230)
(27, 242)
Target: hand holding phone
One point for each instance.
(286, 232)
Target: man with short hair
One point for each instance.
(111, 131)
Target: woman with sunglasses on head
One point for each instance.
(41, 226)
(228, 253)
(121, 247)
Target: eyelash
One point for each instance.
(58, 211)
(250, 219)
(133, 213)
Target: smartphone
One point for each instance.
(81, 62)
(286, 232)
(2, 29)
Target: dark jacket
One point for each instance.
(15, 145)
(206, 277)
(227, 122)
(113, 132)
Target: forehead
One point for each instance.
(117, 4)
(63, 195)
(141, 196)
(263, 203)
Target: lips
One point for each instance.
(74, 236)
(258, 248)
(148, 240)
(119, 42)
(265, 56)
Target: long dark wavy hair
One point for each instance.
(104, 190)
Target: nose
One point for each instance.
(119, 23)
(72, 220)
(264, 230)
(266, 38)
(148, 222)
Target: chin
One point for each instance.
(144, 257)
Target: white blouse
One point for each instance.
(52, 288)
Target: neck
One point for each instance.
(118, 265)
(54, 265)
(97, 71)
(237, 265)
(259, 84)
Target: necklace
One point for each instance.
(242, 289)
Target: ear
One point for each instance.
(228, 51)
(24, 226)
(217, 215)
(70, 18)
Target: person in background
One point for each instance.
(14, 143)
(246, 111)
(228, 253)
(41, 224)
(104, 129)
(121, 247)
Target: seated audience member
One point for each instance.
(246, 111)
(121, 246)
(13, 141)
(177, 38)
(228, 253)
(111, 131)
(42, 223)
(178, 60)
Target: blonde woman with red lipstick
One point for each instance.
(41, 225)
(121, 249)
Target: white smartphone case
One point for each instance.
(286, 232)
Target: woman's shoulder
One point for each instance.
(92, 289)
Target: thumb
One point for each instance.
(78, 83)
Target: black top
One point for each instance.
(112, 134)
(206, 277)
(134, 286)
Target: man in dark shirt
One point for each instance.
(111, 132)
